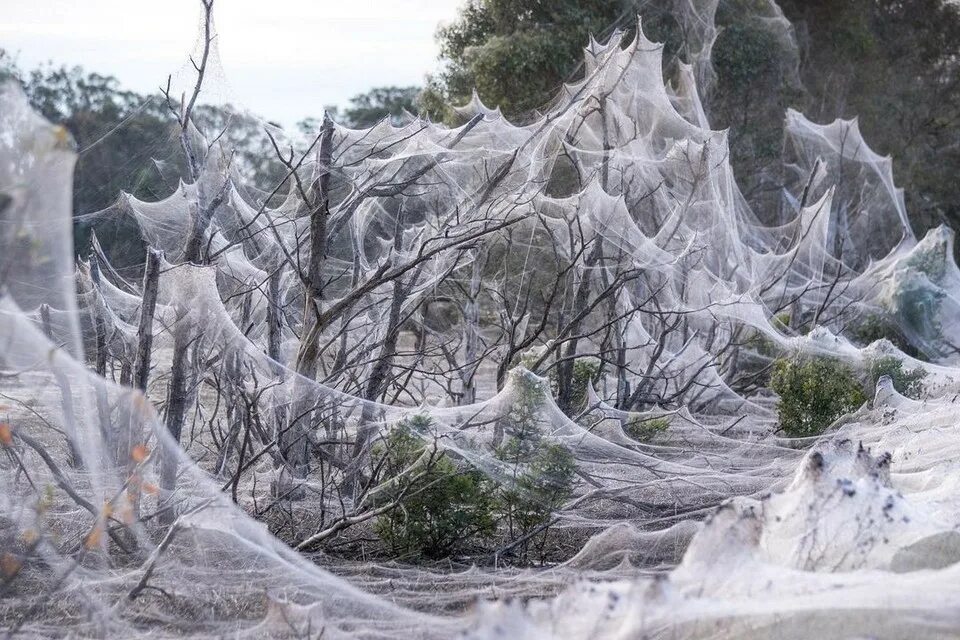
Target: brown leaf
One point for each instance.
(10, 564)
(6, 434)
(93, 539)
(140, 453)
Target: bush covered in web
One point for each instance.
(908, 382)
(814, 391)
(438, 504)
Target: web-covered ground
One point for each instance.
(617, 209)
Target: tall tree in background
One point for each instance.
(367, 109)
(516, 53)
(127, 142)
(124, 143)
(896, 66)
(893, 64)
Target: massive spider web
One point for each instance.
(617, 209)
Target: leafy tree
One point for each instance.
(367, 109)
(118, 135)
(516, 53)
(894, 66)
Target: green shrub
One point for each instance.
(813, 393)
(909, 383)
(542, 482)
(931, 261)
(645, 429)
(541, 472)
(875, 327)
(585, 372)
(919, 309)
(440, 505)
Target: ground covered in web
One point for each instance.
(578, 323)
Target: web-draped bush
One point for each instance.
(875, 327)
(907, 382)
(542, 482)
(813, 393)
(440, 505)
(541, 471)
(646, 429)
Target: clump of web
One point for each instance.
(282, 373)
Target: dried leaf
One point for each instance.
(10, 564)
(140, 453)
(93, 539)
(6, 434)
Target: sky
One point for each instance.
(282, 59)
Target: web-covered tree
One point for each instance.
(894, 66)
(516, 53)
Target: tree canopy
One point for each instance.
(892, 64)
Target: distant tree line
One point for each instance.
(127, 141)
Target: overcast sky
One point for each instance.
(283, 59)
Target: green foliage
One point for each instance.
(367, 109)
(646, 429)
(752, 60)
(585, 371)
(813, 393)
(541, 471)
(542, 482)
(875, 327)
(761, 344)
(440, 505)
(908, 383)
(885, 62)
(516, 53)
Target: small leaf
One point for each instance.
(93, 539)
(6, 434)
(10, 564)
(140, 453)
